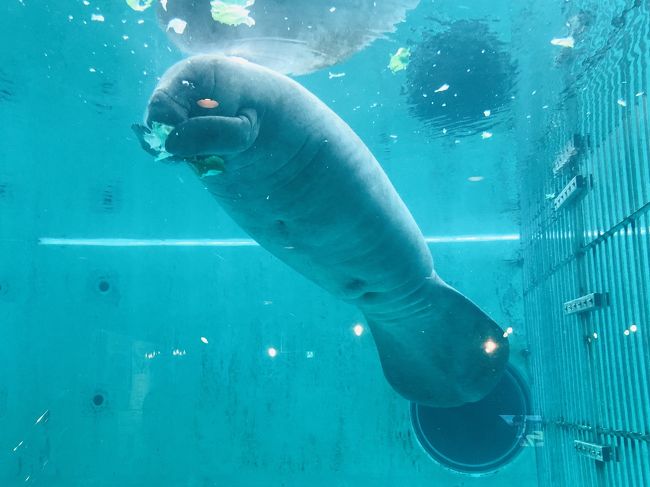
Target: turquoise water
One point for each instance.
(149, 339)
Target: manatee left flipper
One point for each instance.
(140, 132)
(214, 135)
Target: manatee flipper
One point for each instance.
(214, 135)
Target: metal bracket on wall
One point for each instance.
(570, 192)
(585, 303)
(600, 453)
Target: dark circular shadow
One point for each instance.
(478, 437)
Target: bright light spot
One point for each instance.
(97, 18)
(626, 332)
(177, 25)
(475, 179)
(505, 334)
(487, 113)
(633, 328)
(595, 335)
(92, 70)
(444, 87)
(309, 354)
(358, 329)
(272, 352)
(509, 330)
(204, 340)
(490, 346)
(486, 135)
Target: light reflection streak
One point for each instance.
(233, 242)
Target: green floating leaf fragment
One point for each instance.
(206, 166)
(139, 5)
(157, 137)
(399, 60)
(232, 12)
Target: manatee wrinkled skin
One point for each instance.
(300, 182)
(291, 37)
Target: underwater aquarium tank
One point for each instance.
(325, 243)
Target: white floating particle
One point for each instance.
(633, 328)
(125, 37)
(621, 102)
(393, 136)
(97, 18)
(309, 354)
(444, 87)
(163, 3)
(70, 18)
(444, 131)
(509, 330)
(563, 41)
(475, 179)
(333, 9)
(272, 352)
(626, 332)
(486, 135)
(42, 416)
(86, 2)
(92, 70)
(640, 93)
(336, 75)
(487, 113)
(204, 340)
(358, 329)
(140, 21)
(178, 25)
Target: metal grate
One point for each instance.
(587, 261)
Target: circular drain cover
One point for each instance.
(477, 437)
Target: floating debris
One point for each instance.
(207, 103)
(400, 60)
(336, 75)
(97, 18)
(232, 12)
(487, 113)
(486, 135)
(475, 179)
(177, 25)
(163, 4)
(564, 41)
(139, 5)
(157, 137)
(444, 87)
(204, 340)
(621, 102)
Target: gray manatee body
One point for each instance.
(303, 185)
(291, 37)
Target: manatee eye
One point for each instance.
(207, 103)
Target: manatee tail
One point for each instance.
(438, 348)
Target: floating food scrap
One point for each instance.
(232, 12)
(207, 103)
(139, 5)
(564, 41)
(177, 25)
(444, 87)
(400, 60)
(157, 137)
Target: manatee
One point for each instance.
(301, 183)
(292, 37)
